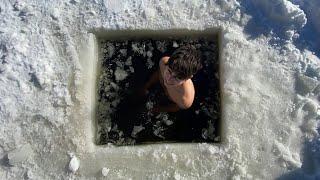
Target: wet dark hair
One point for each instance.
(185, 62)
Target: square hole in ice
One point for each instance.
(126, 62)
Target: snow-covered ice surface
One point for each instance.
(270, 87)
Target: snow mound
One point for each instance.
(284, 12)
(74, 163)
(270, 93)
(289, 18)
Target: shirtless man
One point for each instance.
(175, 75)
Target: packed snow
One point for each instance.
(270, 76)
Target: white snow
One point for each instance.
(19, 155)
(270, 91)
(74, 163)
(287, 159)
(105, 171)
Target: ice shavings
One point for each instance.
(120, 74)
(129, 61)
(161, 46)
(136, 130)
(138, 48)
(149, 105)
(108, 50)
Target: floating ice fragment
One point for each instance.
(120, 74)
(206, 111)
(134, 47)
(105, 171)
(158, 116)
(136, 130)
(119, 64)
(161, 46)
(137, 48)
(198, 45)
(175, 44)
(131, 69)
(204, 133)
(114, 86)
(129, 61)
(149, 63)
(123, 52)
(157, 133)
(109, 50)
(74, 163)
(211, 130)
(115, 103)
(149, 105)
(149, 54)
(165, 117)
(169, 122)
(150, 46)
(217, 138)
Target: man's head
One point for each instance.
(182, 65)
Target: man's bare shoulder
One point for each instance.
(165, 59)
(188, 94)
(188, 88)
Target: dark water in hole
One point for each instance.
(199, 123)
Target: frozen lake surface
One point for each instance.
(270, 74)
